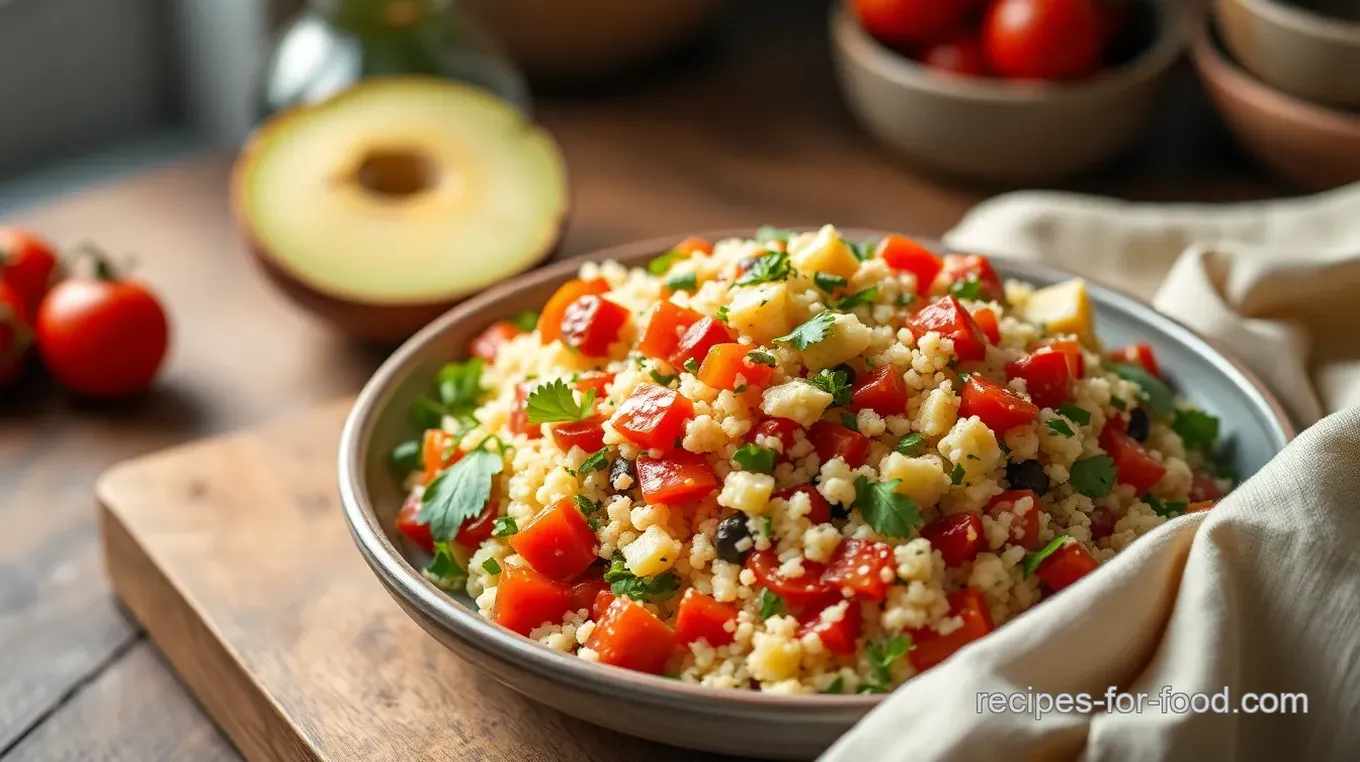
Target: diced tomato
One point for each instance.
(653, 416)
(1102, 524)
(820, 513)
(676, 478)
(526, 600)
(838, 637)
(949, 319)
(585, 592)
(694, 245)
(557, 542)
(592, 323)
(702, 617)
(1024, 526)
(475, 530)
(666, 325)
(603, 600)
(958, 537)
(439, 450)
(781, 428)
(519, 414)
(586, 434)
(550, 319)
(1202, 506)
(1048, 377)
(490, 341)
(630, 636)
(832, 440)
(701, 337)
(861, 566)
(1071, 349)
(999, 408)
(596, 381)
(1137, 354)
(727, 367)
(905, 255)
(1204, 487)
(796, 590)
(882, 391)
(991, 327)
(965, 267)
(408, 523)
(1133, 464)
(1068, 564)
(930, 647)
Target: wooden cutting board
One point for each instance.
(233, 555)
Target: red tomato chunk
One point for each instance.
(1138, 354)
(408, 523)
(630, 636)
(797, 591)
(832, 440)
(489, 342)
(965, 267)
(676, 478)
(998, 407)
(1204, 487)
(862, 566)
(587, 434)
(1134, 466)
(727, 367)
(1068, 564)
(1069, 348)
(439, 451)
(519, 415)
(475, 530)
(882, 391)
(694, 245)
(820, 513)
(930, 647)
(664, 328)
(986, 320)
(702, 617)
(597, 381)
(526, 599)
(949, 319)
(839, 636)
(958, 537)
(653, 416)
(779, 428)
(557, 542)
(905, 255)
(586, 591)
(591, 324)
(1048, 377)
(698, 339)
(1024, 526)
(550, 320)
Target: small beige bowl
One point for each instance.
(1295, 48)
(994, 131)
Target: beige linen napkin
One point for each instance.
(1261, 595)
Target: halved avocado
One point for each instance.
(380, 208)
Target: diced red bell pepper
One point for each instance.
(796, 590)
(958, 537)
(1066, 565)
(630, 636)
(1048, 377)
(408, 523)
(838, 637)
(832, 440)
(861, 566)
(1202, 506)
(999, 408)
(965, 267)
(820, 513)
(780, 428)
(439, 450)
(519, 414)
(905, 255)
(991, 327)
(550, 319)
(557, 542)
(585, 591)
(668, 322)
(603, 600)
(526, 600)
(1102, 524)
(592, 323)
(702, 617)
(949, 319)
(1138, 354)
(930, 647)
(1024, 526)
(489, 342)
(1133, 464)
(727, 367)
(698, 339)
(475, 530)
(1069, 348)
(694, 245)
(882, 391)
(596, 381)
(676, 478)
(653, 416)
(1204, 487)
(587, 434)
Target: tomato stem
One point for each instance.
(103, 267)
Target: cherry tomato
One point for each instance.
(1204, 487)
(586, 434)
(820, 512)
(676, 478)
(987, 322)
(779, 428)
(860, 566)
(882, 391)
(1048, 377)
(961, 268)
(591, 324)
(475, 530)
(550, 319)
(698, 339)
(30, 265)
(694, 246)
(1133, 464)
(526, 600)
(653, 416)
(101, 336)
(15, 334)
(557, 541)
(838, 637)
(903, 254)
(668, 322)
(961, 54)
(909, 22)
(1024, 524)
(798, 591)
(1068, 564)
(1102, 524)
(999, 408)
(949, 319)
(702, 617)
(929, 647)
(1044, 39)
(958, 537)
(832, 440)
(1138, 354)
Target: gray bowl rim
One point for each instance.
(481, 634)
(1305, 21)
(853, 42)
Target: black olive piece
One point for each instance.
(731, 532)
(745, 264)
(622, 467)
(1027, 474)
(1140, 426)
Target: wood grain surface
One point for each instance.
(743, 128)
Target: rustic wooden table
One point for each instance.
(744, 129)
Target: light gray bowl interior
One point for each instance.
(1254, 428)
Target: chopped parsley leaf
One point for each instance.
(525, 321)
(459, 493)
(1156, 393)
(406, 457)
(662, 379)
(721, 314)
(491, 566)
(882, 655)
(769, 526)
(770, 604)
(662, 264)
(833, 382)
(1033, 560)
(1170, 510)
(554, 402)
(867, 296)
(587, 506)
(909, 444)
(1060, 427)
(425, 413)
(828, 282)
(836, 686)
(759, 460)
(956, 476)
(863, 250)
(684, 282)
(810, 332)
(692, 366)
(443, 569)
(504, 526)
(761, 358)
(1075, 414)
(1197, 429)
(889, 512)
(905, 299)
(1118, 404)
(1093, 477)
(970, 289)
(768, 267)
(598, 461)
(623, 582)
(849, 421)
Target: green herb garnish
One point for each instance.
(554, 402)
(598, 461)
(662, 379)
(755, 459)
(1033, 560)
(909, 444)
(890, 513)
(1074, 413)
(662, 264)
(623, 582)
(970, 289)
(1060, 427)
(810, 332)
(1197, 429)
(504, 526)
(459, 493)
(770, 604)
(956, 476)
(692, 366)
(833, 382)
(867, 296)
(836, 686)
(882, 655)
(769, 234)
(828, 282)
(863, 250)
(768, 267)
(443, 569)
(684, 282)
(525, 321)
(1093, 477)
(491, 566)
(1156, 393)
(406, 457)
(761, 358)
(1169, 510)
(849, 421)
(721, 314)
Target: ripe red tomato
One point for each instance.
(962, 54)
(1044, 39)
(29, 264)
(15, 333)
(909, 22)
(101, 336)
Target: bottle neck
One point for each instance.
(376, 15)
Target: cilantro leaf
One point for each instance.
(554, 402)
(1033, 560)
(1118, 404)
(1197, 429)
(956, 476)
(970, 289)
(835, 686)
(828, 282)
(908, 445)
(662, 264)
(460, 384)
(810, 332)
(721, 314)
(889, 513)
(505, 526)
(459, 493)
(683, 282)
(867, 296)
(761, 358)
(850, 421)
(443, 569)
(406, 456)
(1093, 477)
(425, 413)
(585, 505)
(833, 382)
(863, 250)
(1156, 393)
(525, 321)
(491, 566)
(598, 461)
(755, 459)
(768, 267)
(770, 604)
(662, 379)
(770, 234)
(882, 655)
(692, 366)
(1169, 510)
(1074, 413)
(623, 582)
(1060, 427)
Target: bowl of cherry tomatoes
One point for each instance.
(1006, 92)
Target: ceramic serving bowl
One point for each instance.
(729, 721)
(998, 132)
(1307, 48)
(1312, 146)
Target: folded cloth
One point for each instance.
(1261, 595)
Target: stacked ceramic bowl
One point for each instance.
(1285, 74)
